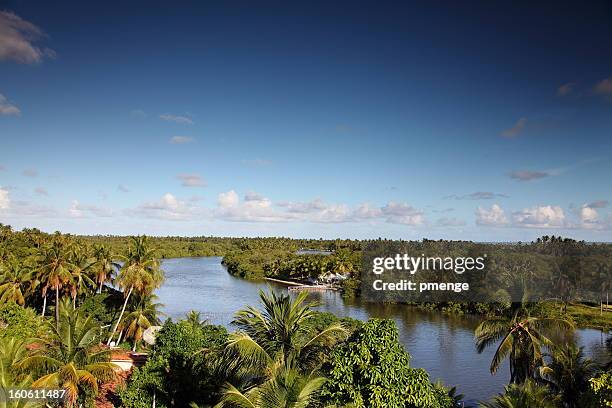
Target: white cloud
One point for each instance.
(515, 130)
(588, 214)
(540, 217)
(303, 207)
(17, 38)
(191, 180)
(402, 213)
(168, 207)
(494, 217)
(138, 113)
(78, 210)
(254, 208)
(7, 108)
(177, 118)
(228, 200)
(181, 140)
(123, 188)
(5, 201)
(367, 211)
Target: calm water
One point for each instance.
(441, 344)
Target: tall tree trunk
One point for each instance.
(100, 287)
(44, 305)
(120, 315)
(120, 337)
(134, 347)
(57, 306)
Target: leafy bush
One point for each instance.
(181, 368)
(372, 370)
(20, 322)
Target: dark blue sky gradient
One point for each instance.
(346, 102)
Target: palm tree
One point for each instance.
(279, 332)
(15, 277)
(520, 338)
(194, 318)
(143, 316)
(568, 373)
(276, 354)
(140, 272)
(104, 267)
(286, 388)
(526, 395)
(71, 358)
(55, 270)
(80, 279)
(12, 352)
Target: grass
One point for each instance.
(584, 316)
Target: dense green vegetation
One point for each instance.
(59, 315)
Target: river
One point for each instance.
(441, 344)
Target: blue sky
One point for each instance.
(350, 119)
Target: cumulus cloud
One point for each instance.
(547, 216)
(528, 175)
(191, 180)
(181, 140)
(5, 201)
(478, 195)
(566, 89)
(78, 210)
(168, 207)
(402, 213)
(123, 188)
(598, 204)
(515, 130)
(493, 217)
(303, 207)
(41, 191)
(7, 108)
(30, 173)
(366, 211)
(18, 38)
(176, 118)
(254, 208)
(604, 87)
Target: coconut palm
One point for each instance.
(71, 357)
(80, 282)
(526, 395)
(16, 278)
(140, 272)
(520, 339)
(568, 373)
(279, 332)
(104, 266)
(194, 318)
(286, 388)
(12, 352)
(55, 270)
(140, 318)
